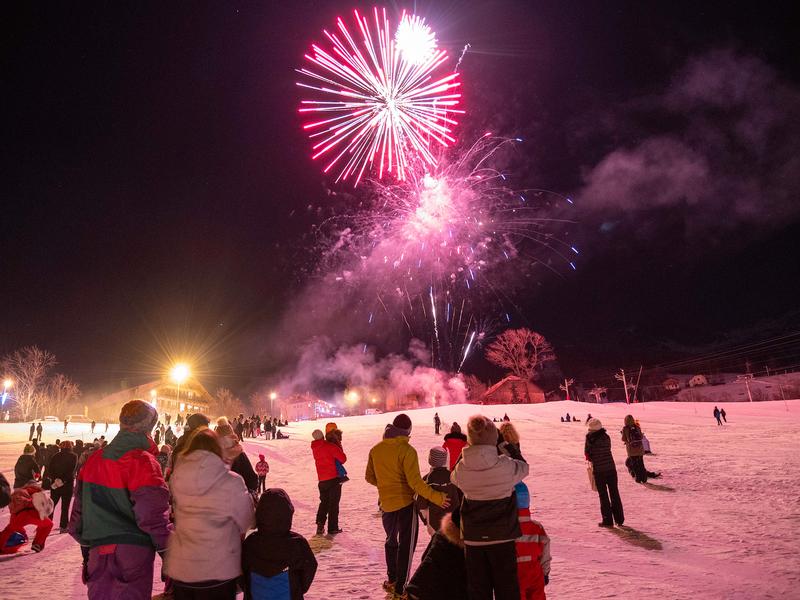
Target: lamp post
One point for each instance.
(7, 385)
(179, 374)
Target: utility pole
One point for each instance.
(621, 377)
(565, 386)
(746, 379)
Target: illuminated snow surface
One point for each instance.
(723, 522)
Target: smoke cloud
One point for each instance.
(721, 143)
(324, 366)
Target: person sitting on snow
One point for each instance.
(29, 506)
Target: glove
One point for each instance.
(546, 579)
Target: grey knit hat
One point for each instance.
(437, 457)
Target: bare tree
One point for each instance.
(521, 351)
(60, 392)
(29, 368)
(226, 403)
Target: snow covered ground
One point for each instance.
(724, 522)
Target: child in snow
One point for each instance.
(163, 457)
(439, 479)
(334, 435)
(262, 468)
(632, 436)
(277, 562)
(533, 550)
(29, 506)
(442, 571)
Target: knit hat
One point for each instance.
(437, 457)
(523, 495)
(455, 428)
(66, 445)
(28, 449)
(317, 434)
(594, 425)
(138, 416)
(197, 420)
(260, 457)
(330, 427)
(481, 431)
(402, 421)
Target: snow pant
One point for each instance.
(120, 571)
(490, 569)
(401, 529)
(719, 420)
(63, 493)
(205, 590)
(18, 521)
(262, 483)
(610, 502)
(330, 493)
(636, 468)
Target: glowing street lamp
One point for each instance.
(7, 385)
(272, 397)
(179, 374)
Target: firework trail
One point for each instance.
(378, 99)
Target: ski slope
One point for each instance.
(723, 522)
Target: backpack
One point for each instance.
(634, 437)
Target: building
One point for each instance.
(307, 407)
(698, 380)
(671, 384)
(513, 390)
(167, 396)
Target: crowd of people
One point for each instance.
(200, 504)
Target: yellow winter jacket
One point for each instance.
(393, 467)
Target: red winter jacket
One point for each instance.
(454, 443)
(325, 453)
(533, 557)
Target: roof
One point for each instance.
(512, 379)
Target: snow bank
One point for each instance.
(722, 523)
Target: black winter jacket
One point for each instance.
(62, 466)
(274, 548)
(25, 470)
(241, 465)
(5, 491)
(598, 450)
(442, 572)
(439, 479)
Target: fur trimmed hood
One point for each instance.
(451, 531)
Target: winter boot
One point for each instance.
(604, 524)
(389, 586)
(320, 529)
(334, 531)
(37, 547)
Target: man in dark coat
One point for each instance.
(275, 558)
(39, 432)
(598, 451)
(61, 472)
(437, 423)
(26, 469)
(32, 432)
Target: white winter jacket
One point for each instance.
(213, 510)
(482, 474)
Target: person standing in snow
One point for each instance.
(717, 415)
(393, 467)
(334, 435)
(234, 455)
(722, 414)
(213, 511)
(93, 425)
(66, 422)
(39, 432)
(442, 570)
(26, 469)
(533, 550)
(163, 457)
(439, 479)
(33, 431)
(597, 450)
(262, 468)
(326, 454)
(61, 471)
(278, 563)
(437, 423)
(454, 443)
(489, 519)
(121, 509)
(632, 436)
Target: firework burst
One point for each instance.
(380, 101)
(448, 245)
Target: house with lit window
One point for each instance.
(164, 394)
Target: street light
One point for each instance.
(7, 385)
(179, 374)
(272, 396)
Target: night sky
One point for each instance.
(157, 185)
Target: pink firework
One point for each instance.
(377, 104)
